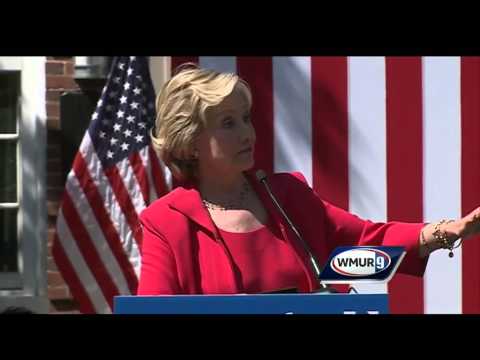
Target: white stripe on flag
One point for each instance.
(146, 162)
(80, 267)
(111, 204)
(130, 182)
(367, 144)
(96, 235)
(366, 138)
(442, 163)
(219, 63)
(292, 104)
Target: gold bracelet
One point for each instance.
(442, 239)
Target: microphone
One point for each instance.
(262, 177)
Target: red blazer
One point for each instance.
(183, 252)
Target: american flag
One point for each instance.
(115, 175)
(387, 138)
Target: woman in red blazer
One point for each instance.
(220, 232)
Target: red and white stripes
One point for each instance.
(386, 138)
(98, 241)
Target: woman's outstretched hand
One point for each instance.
(470, 224)
(433, 236)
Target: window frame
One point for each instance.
(28, 287)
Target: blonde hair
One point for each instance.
(181, 114)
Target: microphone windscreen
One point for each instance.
(261, 175)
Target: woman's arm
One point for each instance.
(419, 239)
(346, 229)
(343, 228)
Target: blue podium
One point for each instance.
(253, 304)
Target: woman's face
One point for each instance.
(227, 143)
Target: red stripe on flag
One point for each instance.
(125, 202)
(158, 175)
(470, 96)
(404, 166)
(141, 175)
(258, 73)
(104, 220)
(68, 273)
(86, 247)
(330, 129)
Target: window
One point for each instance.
(91, 67)
(9, 202)
(23, 215)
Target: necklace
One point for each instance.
(235, 203)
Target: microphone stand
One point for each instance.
(262, 177)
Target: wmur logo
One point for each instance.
(360, 262)
(353, 264)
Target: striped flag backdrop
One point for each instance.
(115, 175)
(386, 138)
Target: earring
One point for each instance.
(195, 154)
